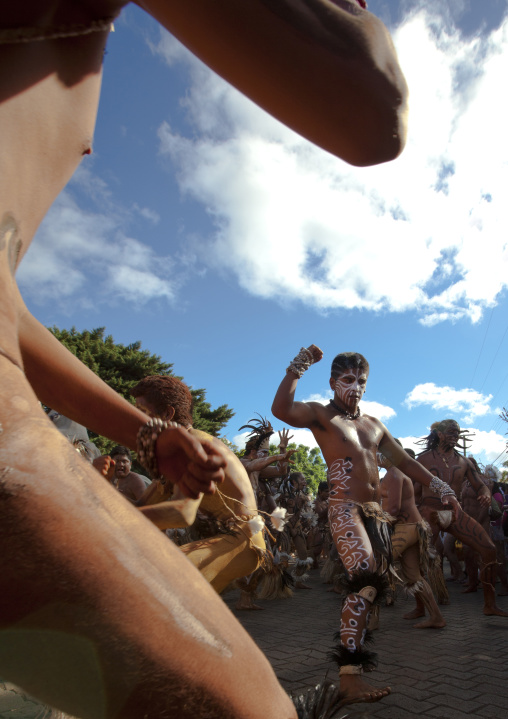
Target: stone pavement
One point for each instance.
(451, 673)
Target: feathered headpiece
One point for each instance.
(259, 437)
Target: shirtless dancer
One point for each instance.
(349, 442)
(330, 72)
(481, 514)
(259, 465)
(442, 459)
(410, 540)
(238, 546)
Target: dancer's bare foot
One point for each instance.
(301, 585)
(356, 690)
(415, 614)
(247, 605)
(334, 589)
(469, 589)
(494, 612)
(431, 624)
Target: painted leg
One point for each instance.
(418, 611)
(352, 656)
(355, 551)
(473, 534)
(472, 566)
(436, 619)
(488, 580)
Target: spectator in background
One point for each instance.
(128, 483)
(497, 535)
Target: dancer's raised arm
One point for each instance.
(325, 68)
(284, 407)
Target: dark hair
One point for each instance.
(163, 392)
(410, 451)
(348, 360)
(322, 486)
(294, 475)
(432, 439)
(121, 451)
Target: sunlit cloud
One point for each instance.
(292, 223)
(83, 258)
(468, 403)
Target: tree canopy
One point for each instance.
(123, 366)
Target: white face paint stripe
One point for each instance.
(349, 393)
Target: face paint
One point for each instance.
(350, 388)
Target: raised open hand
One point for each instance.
(284, 438)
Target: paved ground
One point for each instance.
(456, 672)
(451, 673)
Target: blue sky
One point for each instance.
(224, 241)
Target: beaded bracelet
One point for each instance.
(439, 487)
(19, 35)
(301, 362)
(145, 444)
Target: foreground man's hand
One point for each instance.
(195, 466)
(451, 500)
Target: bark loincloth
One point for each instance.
(413, 550)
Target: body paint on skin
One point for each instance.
(355, 556)
(339, 478)
(352, 628)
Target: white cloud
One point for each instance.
(376, 409)
(410, 442)
(85, 258)
(147, 213)
(468, 403)
(425, 233)
(487, 446)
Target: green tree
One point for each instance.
(123, 366)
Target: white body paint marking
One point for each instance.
(353, 609)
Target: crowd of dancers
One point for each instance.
(100, 615)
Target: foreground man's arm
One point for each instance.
(325, 68)
(62, 382)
